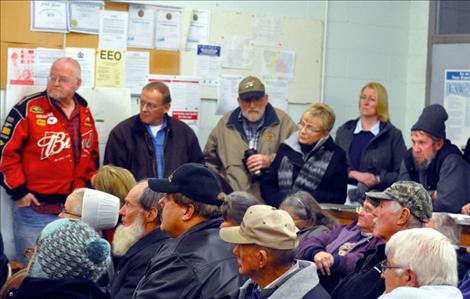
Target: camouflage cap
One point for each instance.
(409, 195)
(250, 87)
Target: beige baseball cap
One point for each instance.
(264, 226)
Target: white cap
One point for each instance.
(100, 210)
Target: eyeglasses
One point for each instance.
(149, 106)
(367, 98)
(308, 128)
(64, 212)
(364, 209)
(252, 100)
(383, 266)
(61, 80)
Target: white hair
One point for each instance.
(426, 252)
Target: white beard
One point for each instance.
(126, 236)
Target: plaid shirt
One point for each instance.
(252, 132)
(73, 125)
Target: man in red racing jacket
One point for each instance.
(48, 148)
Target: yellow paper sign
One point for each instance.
(110, 68)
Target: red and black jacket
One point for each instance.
(36, 153)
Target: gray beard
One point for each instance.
(423, 165)
(126, 236)
(254, 119)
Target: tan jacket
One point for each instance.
(226, 145)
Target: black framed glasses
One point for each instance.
(64, 212)
(383, 266)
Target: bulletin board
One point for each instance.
(302, 36)
(15, 33)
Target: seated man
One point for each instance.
(421, 263)
(98, 209)
(196, 263)
(402, 206)
(436, 163)
(68, 259)
(336, 252)
(136, 239)
(265, 249)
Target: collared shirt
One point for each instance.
(158, 141)
(252, 130)
(374, 130)
(73, 126)
(258, 293)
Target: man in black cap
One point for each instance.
(196, 263)
(436, 163)
(245, 141)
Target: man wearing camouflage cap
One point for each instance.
(265, 247)
(402, 206)
(255, 124)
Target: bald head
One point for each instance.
(72, 63)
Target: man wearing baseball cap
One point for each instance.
(196, 263)
(245, 141)
(436, 163)
(402, 206)
(265, 248)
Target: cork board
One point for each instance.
(15, 33)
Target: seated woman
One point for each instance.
(374, 147)
(98, 209)
(308, 160)
(68, 259)
(234, 207)
(336, 252)
(308, 216)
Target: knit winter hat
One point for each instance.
(70, 249)
(432, 121)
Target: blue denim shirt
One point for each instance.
(158, 142)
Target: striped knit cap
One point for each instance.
(71, 249)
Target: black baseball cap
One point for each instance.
(195, 181)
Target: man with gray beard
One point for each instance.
(436, 163)
(245, 141)
(136, 239)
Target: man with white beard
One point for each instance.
(136, 239)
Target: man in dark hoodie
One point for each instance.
(436, 163)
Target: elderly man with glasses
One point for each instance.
(48, 148)
(245, 141)
(152, 143)
(402, 206)
(421, 263)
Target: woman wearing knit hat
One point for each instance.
(69, 258)
(374, 147)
